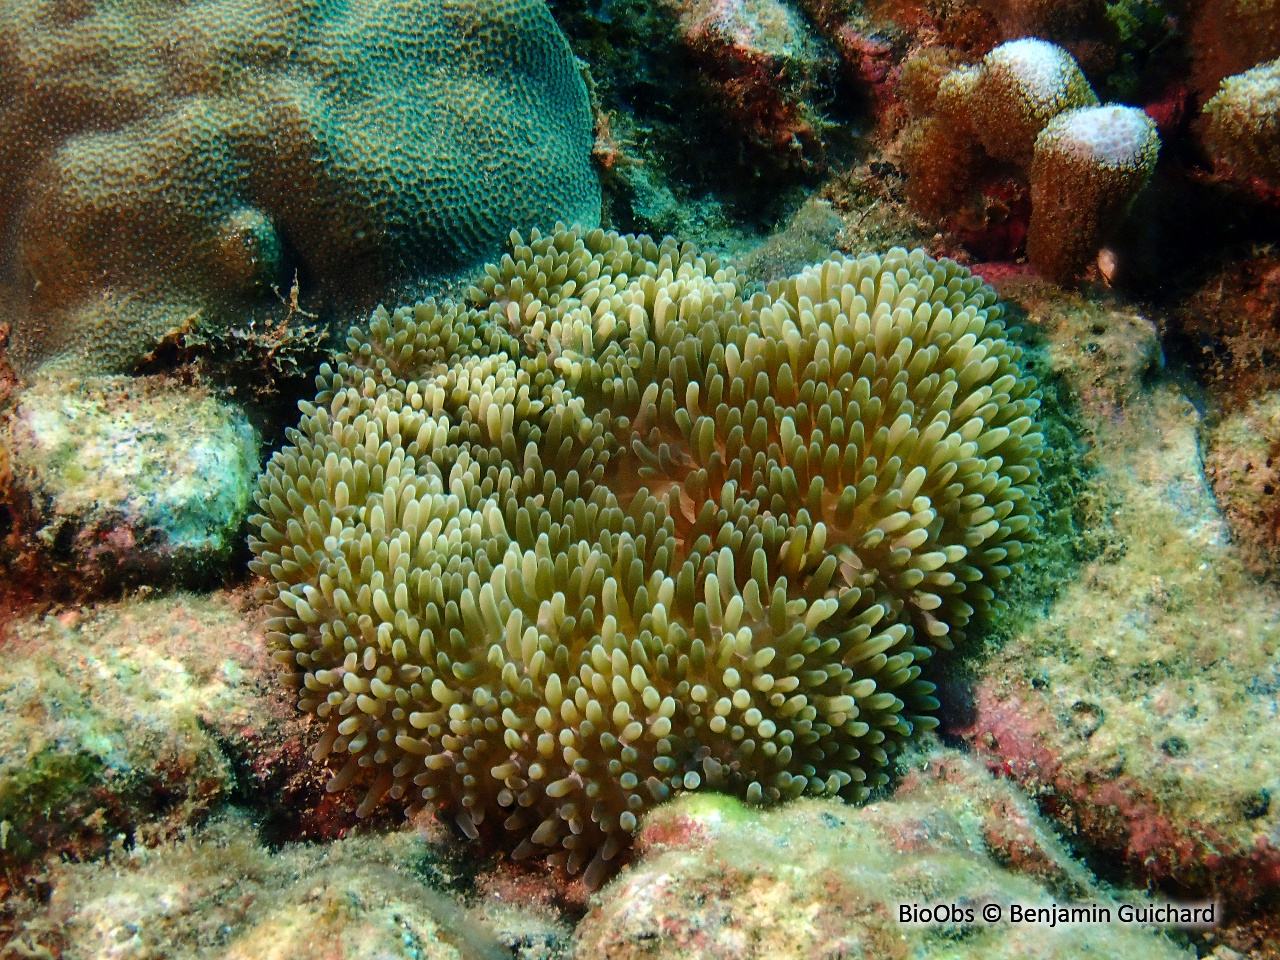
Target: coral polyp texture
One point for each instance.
(1244, 125)
(1089, 165)
(1028, 104)
(622, 526)
(1229, 37)
(167, 165)
(1019, 87)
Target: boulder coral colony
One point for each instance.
(614, 520)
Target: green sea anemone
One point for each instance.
(623, 525)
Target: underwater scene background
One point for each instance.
(639, 478)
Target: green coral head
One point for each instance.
(622, 526)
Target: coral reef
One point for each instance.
(624, 527)
(122, 480)
(221, 894)
(1027, 111)
(1244, 126)
(1242, 462)
(821, 879)
(182, 167)
(139, 718)
(620, 584)
(1140, 709)
(1089, 165)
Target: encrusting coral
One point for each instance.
(164, 167)
(1029, 105)
(625, 526)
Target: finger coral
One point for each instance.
(1019, 87)
(1029, 105)
(166, 166)
(622, 526)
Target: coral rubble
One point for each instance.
(181, 166)
(122, 480)
(220, 893)
(622, 528)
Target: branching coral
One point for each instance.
(1028, 104)
(625, 527)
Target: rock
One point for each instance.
(139, 719)
(817, 878)
(122, 480)
(1141, 709)
(764, 67)
(1106, 352)
(222, 894)
(1232, 322)
(1242, 460)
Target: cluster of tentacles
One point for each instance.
(621, 525)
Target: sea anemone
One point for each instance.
(622, 525)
